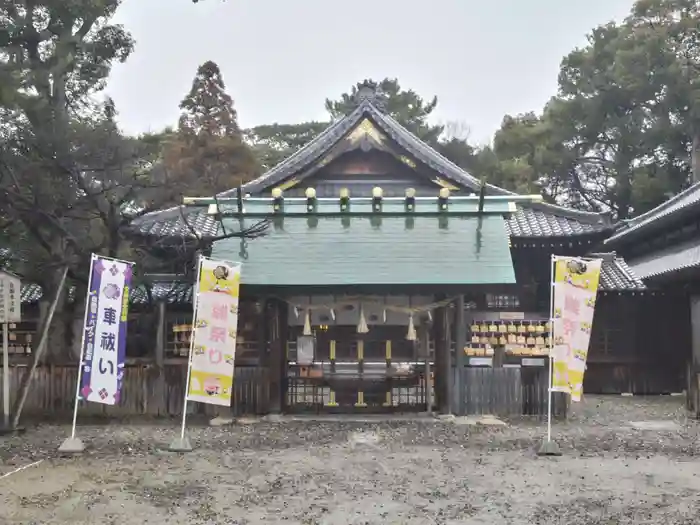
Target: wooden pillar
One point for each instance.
(423, 334)
(460, 357)
(448, 370)
(443, 359)
(694, 368)
(161, 386)
(277, 317)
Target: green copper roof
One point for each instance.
(374, 250)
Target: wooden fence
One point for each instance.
(147, 390)
(504, 392)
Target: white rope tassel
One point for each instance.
(362, 327)
(411, 334)
(307, 323)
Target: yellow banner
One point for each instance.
(214, 333)
(574, 294)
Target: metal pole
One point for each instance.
(552, 266)
(6, 374)
(82, 349)
(195, 300)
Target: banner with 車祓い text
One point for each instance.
(574, 292)
(214, 332)
(104, 341)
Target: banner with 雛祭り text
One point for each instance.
(574, 294)
(104, 346)
(214, 332)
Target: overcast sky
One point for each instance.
(282, 58)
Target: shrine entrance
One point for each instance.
(335, 369)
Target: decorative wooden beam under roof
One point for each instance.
(442, 204)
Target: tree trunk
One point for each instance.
(695, 157)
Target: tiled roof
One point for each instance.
(529, 221)
(525, 222)
(669, 260)
(196, 223)
(535, 220)
(172, 293)
(616, 275)
(30, 293)
(686, 201)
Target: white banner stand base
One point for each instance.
(180, 445)
(549, 448)
(72, 446)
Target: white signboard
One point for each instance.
(9, 298)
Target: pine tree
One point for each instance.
(208, 154)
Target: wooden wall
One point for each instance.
(640, 344)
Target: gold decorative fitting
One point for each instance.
(377, 193)
(410, 199)
(289, 184)
(366, 129)
(344, 199)
(310, 199)
(407, 161)
(445, 184)
(442, 199)
(277, 196)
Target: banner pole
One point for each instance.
(552, 266)
(72, 444)
(182, 444)
(549, 448)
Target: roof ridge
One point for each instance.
(334, 126)
(664, 209)
(666, 204)
(466, 176)
(398, 133)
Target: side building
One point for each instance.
(663, 248)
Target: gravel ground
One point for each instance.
(403, 472)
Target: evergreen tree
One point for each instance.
(208, 154)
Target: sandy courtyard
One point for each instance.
(614, 471)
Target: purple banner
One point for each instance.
(104, 346)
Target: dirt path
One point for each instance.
(368, 473)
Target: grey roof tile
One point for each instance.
(616, 275)
(685, 200)
(171, 292)
(670, 260)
